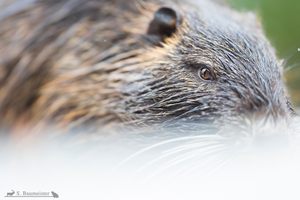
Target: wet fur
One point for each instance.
(77, 62)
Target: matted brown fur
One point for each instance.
(52, 65)
(79, 62)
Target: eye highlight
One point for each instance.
(206, 74)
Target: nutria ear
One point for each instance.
(164, 23)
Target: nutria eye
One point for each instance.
(205, 74)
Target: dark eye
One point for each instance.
(206, 74)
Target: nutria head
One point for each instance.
(139, 63)
(219, 67)
(211, 66)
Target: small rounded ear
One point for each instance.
(164, 23)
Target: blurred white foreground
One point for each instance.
(164, 165)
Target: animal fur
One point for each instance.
(83, 62)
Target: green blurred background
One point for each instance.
(281, 21)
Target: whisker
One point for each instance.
(160, 158)
(177, 161)
(213, 166)
(161, 144)
(202, 166)
(290, 67)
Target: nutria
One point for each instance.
(104, 62)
